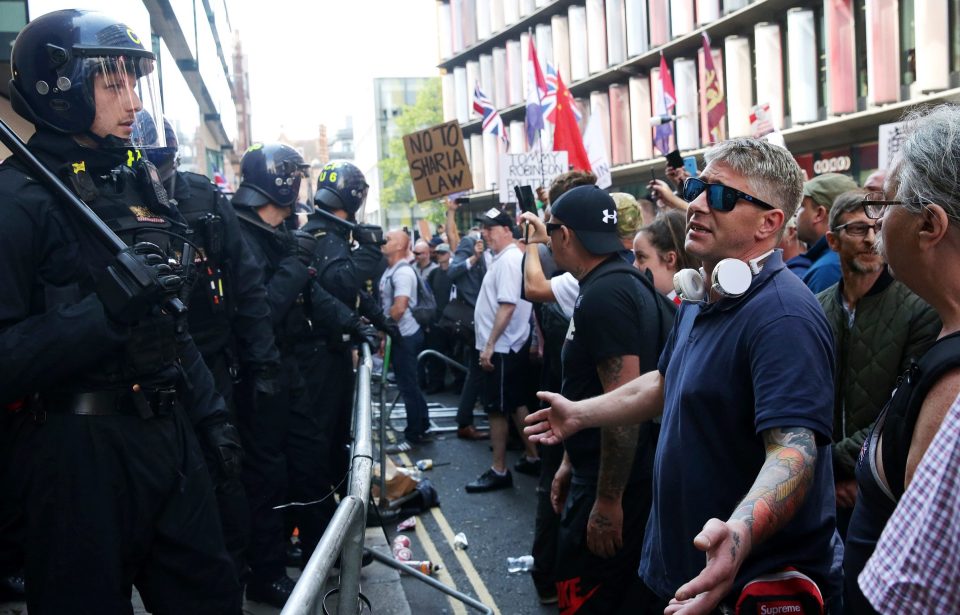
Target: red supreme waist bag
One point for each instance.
(788, 592)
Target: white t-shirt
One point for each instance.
(501, 284)
(565, 289)
(400, 280)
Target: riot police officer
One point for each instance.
(228, 319)
(103, 383)
(270, 182)
(348, 274)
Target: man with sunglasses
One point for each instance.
(738, 416)
(879, 327)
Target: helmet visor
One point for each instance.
(125, 93)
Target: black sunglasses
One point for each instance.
(553, 226)
(719, 197)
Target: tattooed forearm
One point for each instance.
(610, 372)
(617, 447)
(617, 444)
(781, 485)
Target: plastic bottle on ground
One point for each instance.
(516, 565)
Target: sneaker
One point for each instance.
(275, 593)
(530, 467)
(403, 446)
(547, 596)
(490, 481)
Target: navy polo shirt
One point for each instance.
(733, 369)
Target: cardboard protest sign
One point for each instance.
(529, 168)
(438, 161)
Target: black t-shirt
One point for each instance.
(616, 314)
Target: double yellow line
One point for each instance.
(479, 587)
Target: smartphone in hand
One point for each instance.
(527, 203)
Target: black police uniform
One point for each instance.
(328, 365)
(230, 322)
(105, 465)
(287, 435)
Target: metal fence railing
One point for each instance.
(345, 534)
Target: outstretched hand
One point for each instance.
(555, 423)
(726, 545)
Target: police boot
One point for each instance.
(274, 593)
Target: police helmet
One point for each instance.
(64, 61)
(269, 173)
(166, 158)
(341, 185)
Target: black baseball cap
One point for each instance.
(495, 217)
(592, 214)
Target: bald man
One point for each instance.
(398, 294)
(423, 264)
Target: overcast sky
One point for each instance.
(314, 61)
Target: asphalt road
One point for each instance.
(497, 525)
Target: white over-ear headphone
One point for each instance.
(730, 278)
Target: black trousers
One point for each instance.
(547, 522)
(230, 492)
(114, 501)
(317, 437)
(471, 389)
(587, 583)
(262, 421)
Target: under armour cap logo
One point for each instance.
(493, 212)
(609, 217)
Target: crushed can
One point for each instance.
(460, 542)
(425, 566)
(425, 464)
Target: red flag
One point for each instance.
(716, 106)
(566, 132)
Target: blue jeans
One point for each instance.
(404, 360)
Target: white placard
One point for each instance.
(529, 168)
(891, 136)
(596, 147)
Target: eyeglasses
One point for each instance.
(553, 226)
(875, 205)
(858, 229)
(719, 197)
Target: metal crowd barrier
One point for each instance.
(345, 533)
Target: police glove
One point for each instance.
(384, 323)
(362, 332)
(220, 441)
(369, 235)
(139, 279)
(391, 328)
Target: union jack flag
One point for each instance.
(549, 104)
(492, 123)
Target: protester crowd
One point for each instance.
(738, 395)
(775, 364)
